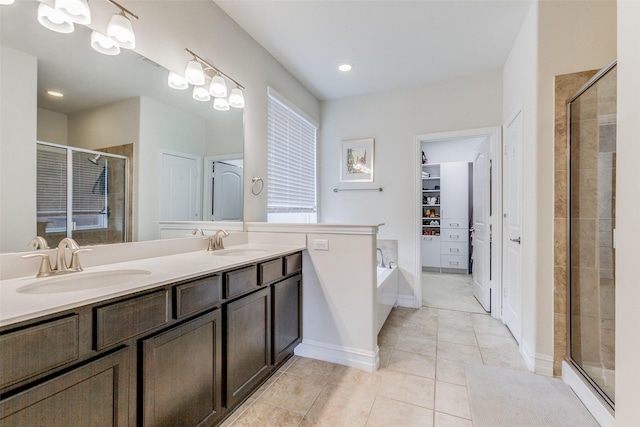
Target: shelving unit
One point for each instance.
(431, 200)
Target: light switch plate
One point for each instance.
(321, 244)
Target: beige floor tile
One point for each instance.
(387, 339)
(457, 337)
(340, 406)
(425, 331)
(313, 369)
(413, 363)
(384, 353)
(446, 420)
(503, 359)
(388, 412)
(459, 353)
(288, 363)
(356, 379)
(495, 342)
(267, 415)
(389, 328)
(456, 326)
(415, 344)
(451, 371)
(256, 394)
(408, 388)
(452, 399)
(424, 316)
(239, 411)
(453, 314)
(293, 393)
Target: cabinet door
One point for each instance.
(287, 329)
(95, 394)
(182, 374)
(431, 251)
(248, 344)
(454, 190)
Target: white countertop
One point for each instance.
(17, 306)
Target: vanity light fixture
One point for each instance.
(200, 93)
(120, 28)
(54, 20)
(176, 81)
(218, 87)
(236, 99)
(6, 2)
(76, 10)
(104, 44)
(54, 93)
(196, 74)
(221, 104)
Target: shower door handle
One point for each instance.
(516, 240)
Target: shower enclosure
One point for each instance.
(591, 242)
(81, 194)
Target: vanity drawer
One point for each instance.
(454, 223)
(454, 261)
(270, 271)
(195, 296)
(454, 235)
(36, 349)
(292, 263)
(123, 320)
(239, 281)
(454, 248)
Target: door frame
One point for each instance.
(495, 156)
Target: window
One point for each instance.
(291, 163)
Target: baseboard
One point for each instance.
(544, 365)
(356, 358)
(593, 403)
(407, 301)
(527, 355)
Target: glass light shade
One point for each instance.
(121, 31)
(176, 81)
(200, 93)
(6, 2)
(103, 44)
(76, 10)
(218, 87)
(220, 104)
(236, 99)
(194, 74)
(53, 19)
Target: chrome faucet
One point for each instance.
(215, 241)
(61, 266)
(381, 262)
(39, 242)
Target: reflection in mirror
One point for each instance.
(120, 105)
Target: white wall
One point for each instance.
(17, 148)
(393, 118)
(105, 126)
(455, 150)
(224, 134)
(52, 127)
(161, 127)
(628, 206)
(166, 28)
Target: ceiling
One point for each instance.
(391, 44)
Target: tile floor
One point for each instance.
(421, 380)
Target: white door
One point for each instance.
(512, 224)
(180, 187)
(481, 239)
(226, 192)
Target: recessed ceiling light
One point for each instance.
(54, 93)
(345, 67)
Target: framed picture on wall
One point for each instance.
(356, 162)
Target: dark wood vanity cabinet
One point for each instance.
(93, 394)
(185, 354)
(181, 374)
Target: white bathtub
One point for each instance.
(387, 294)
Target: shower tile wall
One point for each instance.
(565, 87)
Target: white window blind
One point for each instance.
(291, 160)
(51, 181)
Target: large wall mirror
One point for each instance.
(116, 108)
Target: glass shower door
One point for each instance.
(592, 195)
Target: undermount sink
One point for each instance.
(238, 252)
(72, 282)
